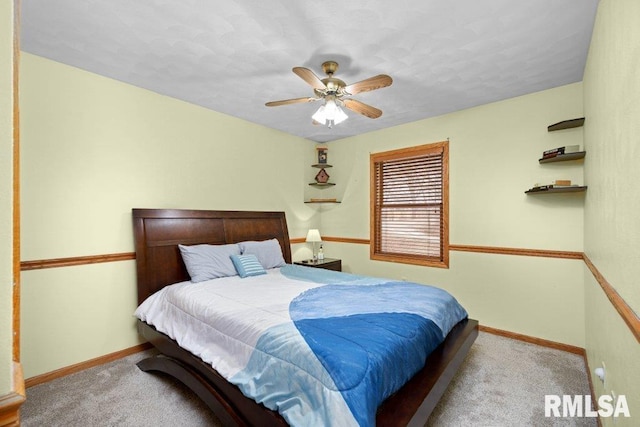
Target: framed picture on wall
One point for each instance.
(322, 155)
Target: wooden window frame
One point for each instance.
(406, 153)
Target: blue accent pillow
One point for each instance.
(206, 262)
(247, 265)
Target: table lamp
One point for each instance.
(313, 236)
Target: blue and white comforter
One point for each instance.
(318, 346)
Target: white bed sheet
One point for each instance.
(220, 320)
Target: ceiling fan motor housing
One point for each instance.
(329, 67)
(333, 87)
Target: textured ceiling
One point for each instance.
(233, 56)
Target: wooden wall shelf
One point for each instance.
(546, 189)
(566, 124)
(564, 157)
(321, 184)
(576, 189)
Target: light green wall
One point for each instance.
(612, 229)
(494, 151)
(612, 102)
(94, 148)
(6, 195)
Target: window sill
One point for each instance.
(412, 260)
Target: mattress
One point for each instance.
(318, 346)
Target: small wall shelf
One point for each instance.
(546, 189)
(576, 189)
(321, 184)
(322, 177)
(564, 157)
(566, 124)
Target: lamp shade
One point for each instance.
(313, 235)
(330, 113)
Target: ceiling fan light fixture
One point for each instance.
(330, 113)
(320, 116)
(340, 116)
(335, 93)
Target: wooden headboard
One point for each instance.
(157, 233)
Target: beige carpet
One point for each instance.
(502, 383)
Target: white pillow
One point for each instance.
(206, 262)
(268, 252)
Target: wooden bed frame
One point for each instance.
(157, 234)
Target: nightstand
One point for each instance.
(327, 263)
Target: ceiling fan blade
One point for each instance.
(362, 108)
(308, 76)
(372, 83)
(290, 101)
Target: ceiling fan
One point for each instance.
(335, 94)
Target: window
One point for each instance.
(410, 205)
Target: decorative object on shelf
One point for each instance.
(322, 177)
(568, 149)
(566, 124)
(322, 155)
(313, 237)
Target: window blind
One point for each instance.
(408, 206)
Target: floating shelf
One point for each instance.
(321, 166)
(566, 124)
(323, 201)
(576, 189)
(564, 157)
(321, 184)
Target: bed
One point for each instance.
(158, 234)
